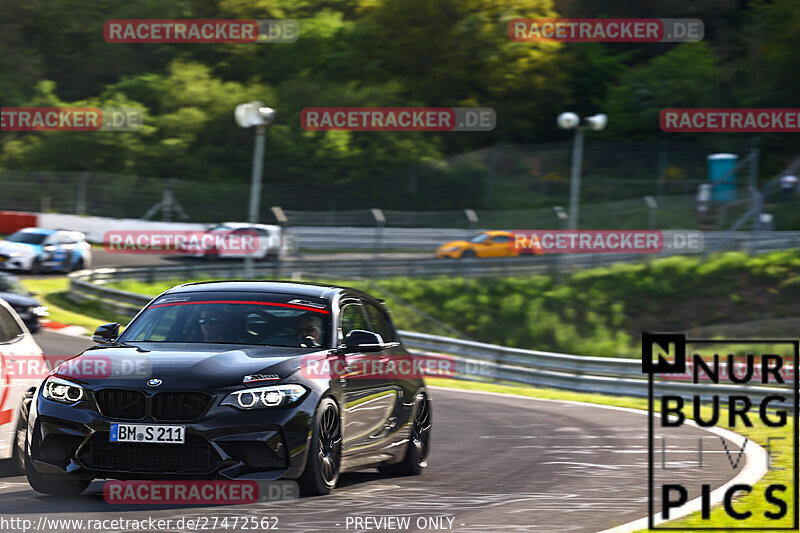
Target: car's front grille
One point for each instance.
(177, 406)
(122, 404)
(197, 456)
(164, 406)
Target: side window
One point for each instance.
(380, 322)
(500, 239)
(9, 329)
(352, 317)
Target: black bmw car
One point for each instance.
(250, 380)
(22, 301)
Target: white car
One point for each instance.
(22, 369)
(37, 250)
(270, 242)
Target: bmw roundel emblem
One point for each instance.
(155, 382)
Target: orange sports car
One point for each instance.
(485, 244)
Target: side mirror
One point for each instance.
(106, 333)
(362, 341)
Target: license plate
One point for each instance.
(148, 434)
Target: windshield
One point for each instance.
(27, 237)
(479, 238)
(233, 318)
(12, 284)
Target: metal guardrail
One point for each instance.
(481, 361)
(378, 266)
(602, 375)
(429, 239)
(375, 267)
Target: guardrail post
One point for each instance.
(283, 221)
(80, 194)
(472, 218)
(380, 221)
(151, 275)
(652, 215)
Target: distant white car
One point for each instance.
(22, 369)
(270, 242)
(37, 250)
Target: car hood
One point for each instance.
(6, 247)
(459, 244)
(183, 366)
(18, 300)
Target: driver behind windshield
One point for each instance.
(309, 331)
(213, 324)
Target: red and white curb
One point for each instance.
(64, 329)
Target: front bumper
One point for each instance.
(225, 443)
(450, 254)
(8, 262)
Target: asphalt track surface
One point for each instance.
(499, 464)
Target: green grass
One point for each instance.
(52, 292)
(782, 453)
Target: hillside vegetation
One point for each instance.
(596, 312)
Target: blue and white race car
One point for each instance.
(38, 250)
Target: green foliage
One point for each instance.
(380, 53)
(600, 311)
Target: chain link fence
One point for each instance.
(504, 186)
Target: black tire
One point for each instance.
(46, 484)
(78, 266)
(467, 254)
(419, 444)
(325, 451)
(55, 485)
(36, 266)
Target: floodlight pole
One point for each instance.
(575, 180)
(258, 170)
(571, 121)
(255, 192)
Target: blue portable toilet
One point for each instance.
(722, 176)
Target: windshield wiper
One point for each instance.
(126, 345)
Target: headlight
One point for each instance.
(452, 249)
(61, 390)
(265, 397)
(41, 311)
(17, 254)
